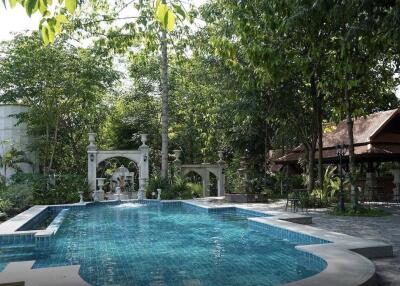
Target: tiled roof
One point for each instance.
(364, 129)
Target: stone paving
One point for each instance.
(386, 229)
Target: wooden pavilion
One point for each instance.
(376, 140)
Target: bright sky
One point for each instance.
(15, 20)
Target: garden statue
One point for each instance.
(81, 197)
(158, 194)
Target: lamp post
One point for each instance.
(341, 150)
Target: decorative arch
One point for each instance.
(140, 157)
(134, 156)
(204, 170)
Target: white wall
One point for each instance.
(16, 135)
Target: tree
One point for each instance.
(63, 87)
(11, 159)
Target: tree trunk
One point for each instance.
(352, 167)
(350, 134)
(266, 150)
(317, 99)
(164, 101)
(320, 145)
(311, 167)
(53, 150)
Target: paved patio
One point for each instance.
(386, 229)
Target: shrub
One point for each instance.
(175, 188)
(156, 182)
(195, 189)
(65, 190)
(5, 206)
(16, 198)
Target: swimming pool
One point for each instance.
(171, 244)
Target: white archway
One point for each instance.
(204, 170)
(140, 157)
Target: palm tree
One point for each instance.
(11, 159)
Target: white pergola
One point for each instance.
(140, 157)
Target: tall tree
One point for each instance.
(164, 100)
(63, 87)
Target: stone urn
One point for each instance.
(177, 155)
(143, 138)
(98, 195)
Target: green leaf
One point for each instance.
(30, 6)
(45, 35)
(179, 10)
(71, 5)
(170, 21)
(62, 18)
(12, 3)
(57, 27)
(52, 34)
(161, 12)
(42, 7)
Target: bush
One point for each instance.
(16, 198)
(156, 182)
(195, 189)
(176, 188)
(5, 206)
(65, 190)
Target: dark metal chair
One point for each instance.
(297, 198)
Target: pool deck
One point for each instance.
(346, 255)
(385, 229)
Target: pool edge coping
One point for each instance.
(342, 251)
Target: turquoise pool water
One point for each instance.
(135, 244)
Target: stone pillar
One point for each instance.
(221, 174)
(396, 182)
(143, 167)
(92, 161)
(206, 183)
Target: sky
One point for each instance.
(16, 20)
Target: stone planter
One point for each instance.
(246, 198)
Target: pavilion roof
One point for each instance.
(365, 129)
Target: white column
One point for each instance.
(206, 183)
(221, 174)
(92, 161)
(92, 169)
(221, 181)
(143, 167)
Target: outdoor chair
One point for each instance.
(297, 198)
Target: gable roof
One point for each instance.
(364, 129)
